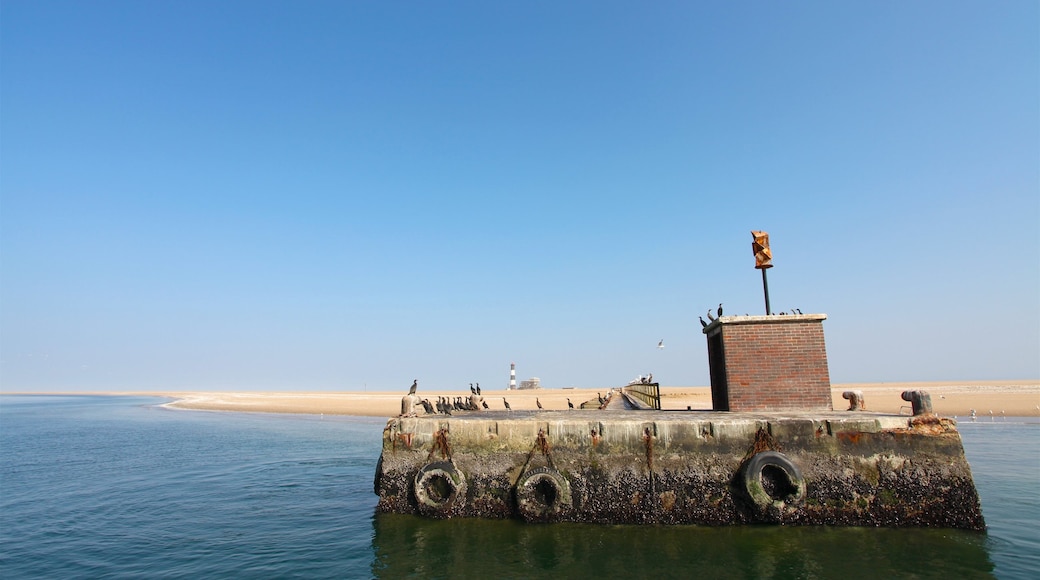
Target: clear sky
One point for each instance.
(265, 195)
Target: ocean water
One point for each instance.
(120, 487)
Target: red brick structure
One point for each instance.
(769, 363)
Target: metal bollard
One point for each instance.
(856, 400)
(408, 403)
(920, 400)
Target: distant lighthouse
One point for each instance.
(512, 376)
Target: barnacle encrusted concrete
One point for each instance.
(670, 467)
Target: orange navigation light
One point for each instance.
(763, 255)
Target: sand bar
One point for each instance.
(1008, 398)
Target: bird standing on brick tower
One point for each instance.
(720, 309)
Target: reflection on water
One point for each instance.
(1005, 462)
(409, 546)
(113, 486)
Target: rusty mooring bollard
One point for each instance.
(920, 400)
(408, 403)
(856, 400)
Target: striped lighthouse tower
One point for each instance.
(512, 376)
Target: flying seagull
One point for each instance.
(660, 344)
(415, 385)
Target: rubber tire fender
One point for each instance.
(439, 489)
(773, 460)
(542, 493)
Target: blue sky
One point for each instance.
(348, 195)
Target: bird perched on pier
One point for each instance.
(660, 343)
(506, 403)
(485, 404)
(798, 310)
(415, 385)
(427, 406)
(719, 311)
(537, 402)
(443, 406)
(703, 324)
(600, 397)
(478, 388)
(570, 405)
(471, 389)
(710, 317)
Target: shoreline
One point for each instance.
(953, 399)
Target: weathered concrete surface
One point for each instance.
(838, 468)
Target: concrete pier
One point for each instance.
(680, 467)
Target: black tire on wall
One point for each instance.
(542, 494)
(774, 484)
(439, 489)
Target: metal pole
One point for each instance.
(765, 288)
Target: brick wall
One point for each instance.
(769, 363)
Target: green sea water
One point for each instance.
(119, 487)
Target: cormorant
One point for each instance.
(485, 404)
(703, 324)
(710, 317)
(660, 343)
(570, 405)
(478, 388)
(508, 408)
(720, 309)
(537, 402)
(415, 385)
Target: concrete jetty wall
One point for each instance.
(668, 467)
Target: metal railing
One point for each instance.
(647, 393)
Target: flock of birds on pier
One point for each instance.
(448, 405)
(718, 314)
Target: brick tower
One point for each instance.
(768, 363)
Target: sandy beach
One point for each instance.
(1002, 398)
